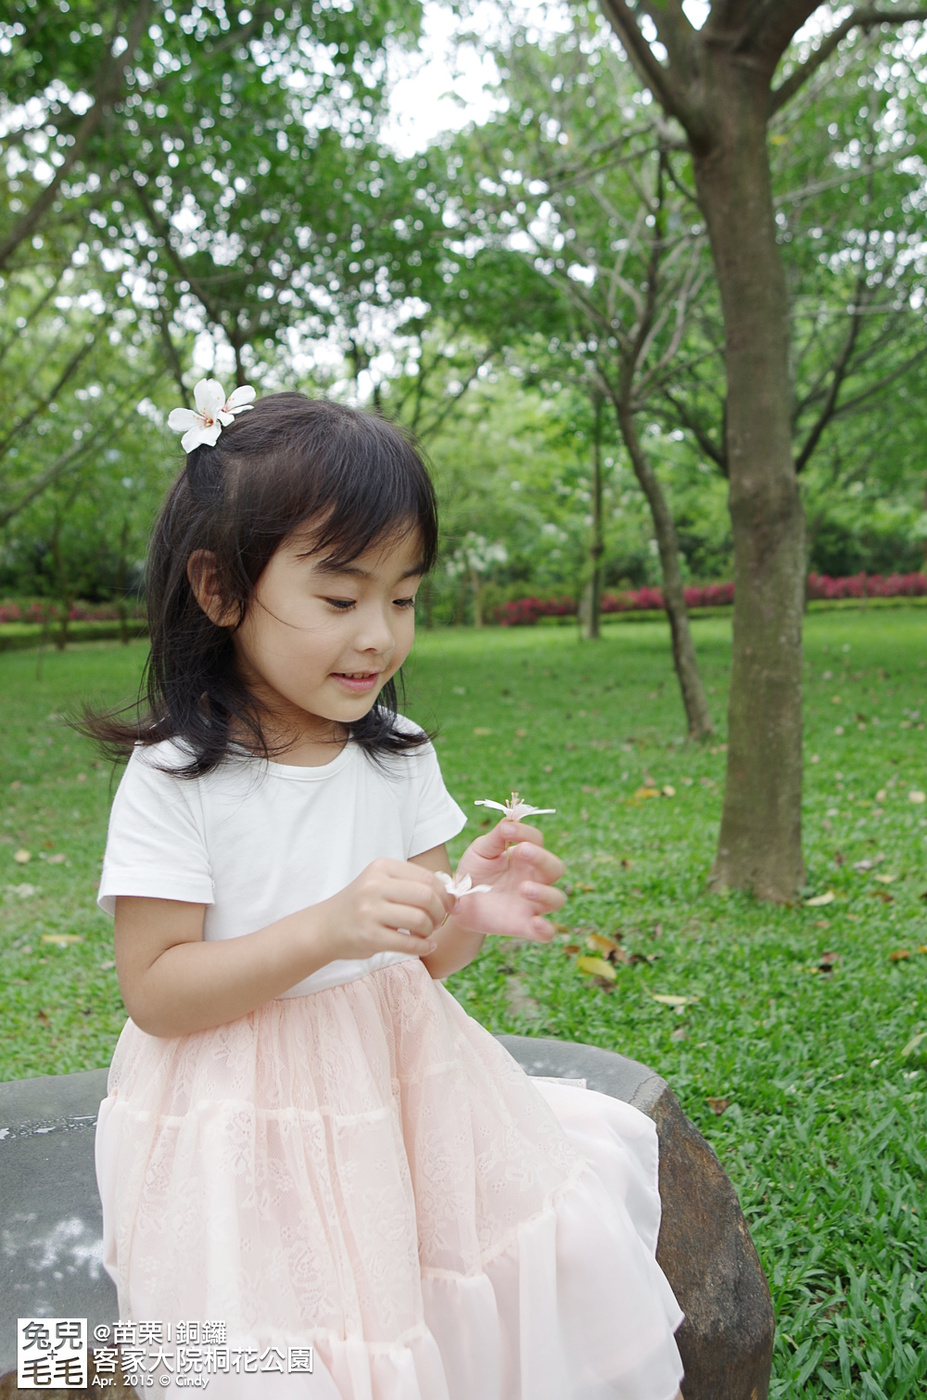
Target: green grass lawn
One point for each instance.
(800, 1018)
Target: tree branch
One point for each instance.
(66, 461)
(108, 82)
(702, 437)
(772, 26)
(170, 351)
(663, 83)
(849, 405)
(868, 18)
(837, 378)
(23, 423)
(16, 336)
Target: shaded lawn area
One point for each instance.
(800, 1018)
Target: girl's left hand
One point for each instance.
(512, 860)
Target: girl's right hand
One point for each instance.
(392, 907)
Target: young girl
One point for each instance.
(306, 1142)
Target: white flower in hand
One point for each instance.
(213, 413)
(515, 809)
(460, 885)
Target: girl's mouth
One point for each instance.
(358, 682)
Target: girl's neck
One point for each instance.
(306, 748)
(311, 752)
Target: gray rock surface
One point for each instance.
(51, 1225)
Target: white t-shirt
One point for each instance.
(255, 841)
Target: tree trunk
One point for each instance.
(428, 602)
(596, 543)
(120, 588)
(477, 598)
(64, 588)
(759, 847)
(684, 658)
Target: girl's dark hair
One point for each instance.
(287, 462)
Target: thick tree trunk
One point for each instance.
(684, 658)
(760, 842)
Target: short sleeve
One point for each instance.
(435, 817)
(156, 846)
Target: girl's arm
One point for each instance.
(173, 982)
(511, 859)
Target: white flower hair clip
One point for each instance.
(514, 809)
(213, 413)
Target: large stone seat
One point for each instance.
(51, 1227)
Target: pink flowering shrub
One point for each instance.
(524, 612)
(868, 586)
(39, 610)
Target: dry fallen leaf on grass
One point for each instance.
(665, 999)
(718, 1106)
(819, 900)
(597, 967)
(22, 857)
(601, 944)
(899, 955)
(62, 940)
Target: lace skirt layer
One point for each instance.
(366, 1171)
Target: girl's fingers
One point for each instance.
(521, 831)
(545, 896)
(505, 834)
(400, 940)
(426, 894)
(542, 864)
(411, 918)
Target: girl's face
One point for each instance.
(318, 643)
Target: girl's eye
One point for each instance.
(405, 602)
(340, 604)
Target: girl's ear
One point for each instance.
(204, 583)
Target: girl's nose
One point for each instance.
(375, 633)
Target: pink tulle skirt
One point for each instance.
(366, 1171)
